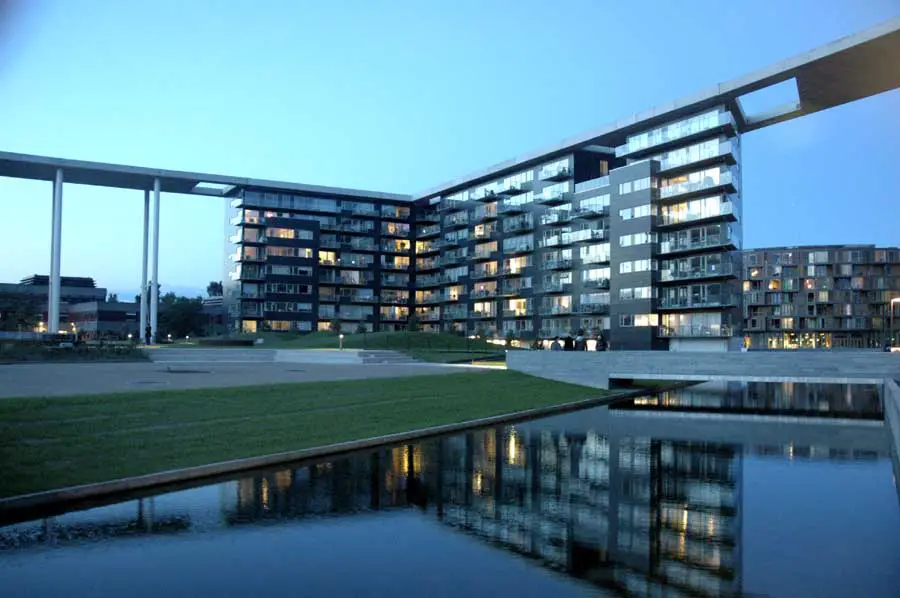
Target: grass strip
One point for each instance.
(48, 443)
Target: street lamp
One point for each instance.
(341, 339)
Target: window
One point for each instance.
(637, 266)
(304, 252)
(638, 320)
(278, 270)
(636, 239)
(289, 233)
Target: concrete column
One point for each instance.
(144, 298)
(154, 285)
(55, 254)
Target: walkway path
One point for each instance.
(48, 379)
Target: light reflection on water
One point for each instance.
(605, 499)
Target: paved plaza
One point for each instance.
(61, 379)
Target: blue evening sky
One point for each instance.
(400, 95)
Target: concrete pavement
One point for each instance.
(62, 379)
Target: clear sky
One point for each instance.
(400, 95)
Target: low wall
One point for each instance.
(319, 356)
(595, 369)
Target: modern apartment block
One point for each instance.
(829, 296)
(632, 231)
(636, 239)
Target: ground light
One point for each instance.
(341, 341)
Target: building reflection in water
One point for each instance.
(855, 401)
(633, 514)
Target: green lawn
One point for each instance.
(48, 443)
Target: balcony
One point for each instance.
(726, 212)
(457, 220)
(244, 220)
(393, 316)
(552, 197)
(724, 152)
(392, 299)
(513, 187)
(513, 290)
(370, 211)
(677, 303)
(556, 310)
(592, 184)
(431, 299)
(586, 235)
(590, 213)
(557, 265)
(448, 205)
(603, 258)
(714, 331)
(483, 293)
(558, 240)
(248, 257)
(484, 195)
(484, 215)
(723, 239)
(483, 235)
(425, 232)
(452, 242)
(482, 315)
(428, 216)
(432, 316)
(518, 271)
(518, 313)
(557, 217)
(394, 266)
(357, 298)
(452, 257)
(251, 273)
(330, 226)
(395, 282)
(518, 226)
(517, 250)
(423, 282)
(663, 139)
(361, 245)
(723, 270)
(427, 247)
(592, 308)
(251, 310)
(508, 209)
(484, 256)
(484, 274)
(455, 314)
(600, 283)
(554, 173)
(555, 287)
(428, 264)
(726, 182)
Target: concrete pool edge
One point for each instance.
(12, 508)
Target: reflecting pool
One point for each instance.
(619, 501)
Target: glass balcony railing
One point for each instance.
(482, 274)
(597, 283)
(584, 235)
(598, 258)
(722, 239)
(517, 226)
(592, 184)
(676, 131)
(696, 302)
(724, 149)
(554, 173)
(428, 231)
(563, 264)
(245, 220)
(588, 212)
(559, 240)
(726, 208)
(557, 216)
(710, 271)
(514, 289)
(725, 179)
(507, 208)
(457, 220)
(591, 308)
(485, 255)
(482, 315)
(517, 249)
(695, 331)
(427, 281)
(518, 313)
(432, 298)
(483, 293)
(512, 187)
(555, 287)
(394, 266)
(455, 314)
(252, 310)
(428, 216)
(556, 310)
(448, 205)
(552, 196)
(428, 264)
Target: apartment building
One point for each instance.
(829, 296)
(636, 240)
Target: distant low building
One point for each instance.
(74, 290)
(105, 319)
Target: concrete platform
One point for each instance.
(48, 379)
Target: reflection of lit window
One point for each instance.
(265, 494)
(477, 479)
